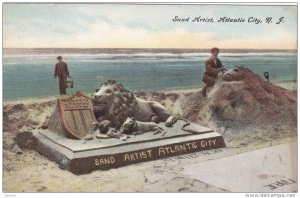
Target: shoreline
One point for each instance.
(289, 85)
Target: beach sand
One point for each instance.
(25, 170)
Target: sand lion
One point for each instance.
(113, 103)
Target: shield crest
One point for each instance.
(76, 115)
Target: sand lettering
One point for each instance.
(137, 156)
(105, 161)
(177, 148)
(208, 143)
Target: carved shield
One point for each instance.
(76, 114)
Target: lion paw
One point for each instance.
(171, 121)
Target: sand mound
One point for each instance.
(243, 96)
(22, 117)
(239, 97)
(240, 102)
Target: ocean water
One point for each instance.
(29, 73)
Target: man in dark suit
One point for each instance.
(212, 68)
(61, 70)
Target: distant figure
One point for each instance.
(266, 74)
(212, 68)
(62, 71)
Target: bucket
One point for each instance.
(70, 82)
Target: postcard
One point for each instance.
(150, 97)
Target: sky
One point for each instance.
(146, 26)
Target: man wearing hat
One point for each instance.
(212, 68)
(62, 71)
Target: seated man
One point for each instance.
(212, 68)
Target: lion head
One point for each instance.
(114, 102)
(236, 74)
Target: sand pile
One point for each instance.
(25, 116)
(241, 105)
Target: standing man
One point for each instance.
(212, 68)
(61, 70)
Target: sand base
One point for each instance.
(82, 157)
